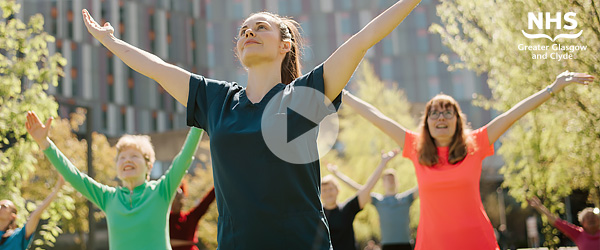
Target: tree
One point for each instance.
(554, 149)
(362, 143)
(26, 70)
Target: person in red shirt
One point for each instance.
(447, 157)
(586, 237)
(183, 225)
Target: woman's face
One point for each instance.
(132, 165)
(442, 122)
(259, 41)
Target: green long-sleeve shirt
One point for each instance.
(136, 219)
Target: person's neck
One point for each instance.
(131, 184)
(442, 142)
(262, 78)
(390, 193)
(329, 206)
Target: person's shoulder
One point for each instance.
(215, 82)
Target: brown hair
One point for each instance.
(426, 148)
(289, 29)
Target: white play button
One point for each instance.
(290, 125)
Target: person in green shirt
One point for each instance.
(136, 212)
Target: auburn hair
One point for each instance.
(291, 68)
(461, 141)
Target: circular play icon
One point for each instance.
(300, 124)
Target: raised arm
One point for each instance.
(373, 115)
(344, 178)
(340, 66)
(88, 187)
(172, 178)
(414, 191)
(364, 194)
(202, 206)
(172, 78)
(34, 217)
(537, 204)
(500, 124)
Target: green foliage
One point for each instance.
(555, 149)
(362, 145)
(26, 70)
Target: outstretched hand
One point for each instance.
(535, 202)
(566, 78)
(386, 157)
(99, 32)
(37, 130)
(332, 168)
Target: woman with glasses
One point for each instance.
(447, 156)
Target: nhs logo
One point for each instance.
(547, 20)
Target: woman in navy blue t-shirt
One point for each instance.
(264, 201)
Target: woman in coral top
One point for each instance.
(447, 157)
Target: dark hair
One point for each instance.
(426, 148)
(289, 29)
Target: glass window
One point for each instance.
(387, 70)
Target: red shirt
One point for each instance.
(583, 240)
(182, 225)
(451, 212)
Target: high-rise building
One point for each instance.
(199, 36)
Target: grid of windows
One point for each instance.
(198, 36)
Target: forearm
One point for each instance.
(385, 23)
(364, 194)
(34, 217)
(340, 66)
(183, 160)
(551, 217)
(374, 177)
(347, 180)
(172, 78)
(87, 186)
(504, 121)
(390, 127)
(200, 209)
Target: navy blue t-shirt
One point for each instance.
(263, 201)
(340, 224)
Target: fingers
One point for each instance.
(89, 20)
(48, 122)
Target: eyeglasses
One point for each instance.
(448, 114)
